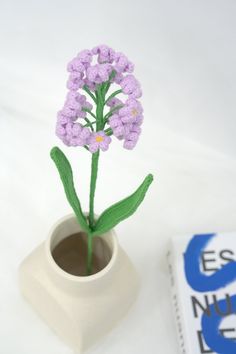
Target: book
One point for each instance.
(202, 270)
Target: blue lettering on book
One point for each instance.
(203, 283)
(210, 329)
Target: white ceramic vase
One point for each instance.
(80, 309)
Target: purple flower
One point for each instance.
(115, 121)
(75, 81)
(75, 65)
(129, 144)
(122, 64)
(74, 105)
(99, 73)
(85, 57)
(125, 123)
(99, 140)
(131, 112)
(132, 137)
(120, 129)
(113, 102)
(91, 68)
(91, 85)
(72, 134)
(105, 54)
(130, 86)
(118, 78)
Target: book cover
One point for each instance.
(202, 272)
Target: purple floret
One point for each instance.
(99, 140)
(131, 86)
(99, 73)
(75, 81)
(122, 64)
(72, 134)
(125, 123)
(131, 112)
(105, 54)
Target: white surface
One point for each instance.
(194, 188)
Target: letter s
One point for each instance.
(198, 280)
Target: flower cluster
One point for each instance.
(125, 123)
(94, 71)
(67, 129)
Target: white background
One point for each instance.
(185, 57)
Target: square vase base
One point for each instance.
(81, 314)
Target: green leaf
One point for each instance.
(122, 210)
(65, 171)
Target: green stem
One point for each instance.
(89, 123)
(100, 107)
(94, 170)
(113, 95)
(90, 254)
(103, 88)
(86, 89)
(109, 114)
(90, 112)
(100, 98)
(108, 83)
(113, 110)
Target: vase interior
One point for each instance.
(70, 254)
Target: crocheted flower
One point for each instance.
(122, 64)
(125, 123)
(75, 81)
(131, 112)
(72, 134)
(75, 65)
(85, 57)
(94, 72)
(132, 137)
(99, 73)
(114, 102)
(99, 140)
(104, 77)
(130, 86)
(105, 54)
(129, 133)
(75, 104)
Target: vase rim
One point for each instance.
(78, 278)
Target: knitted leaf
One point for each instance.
(122, 210)
(65, 171)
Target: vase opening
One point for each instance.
(70, 254)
